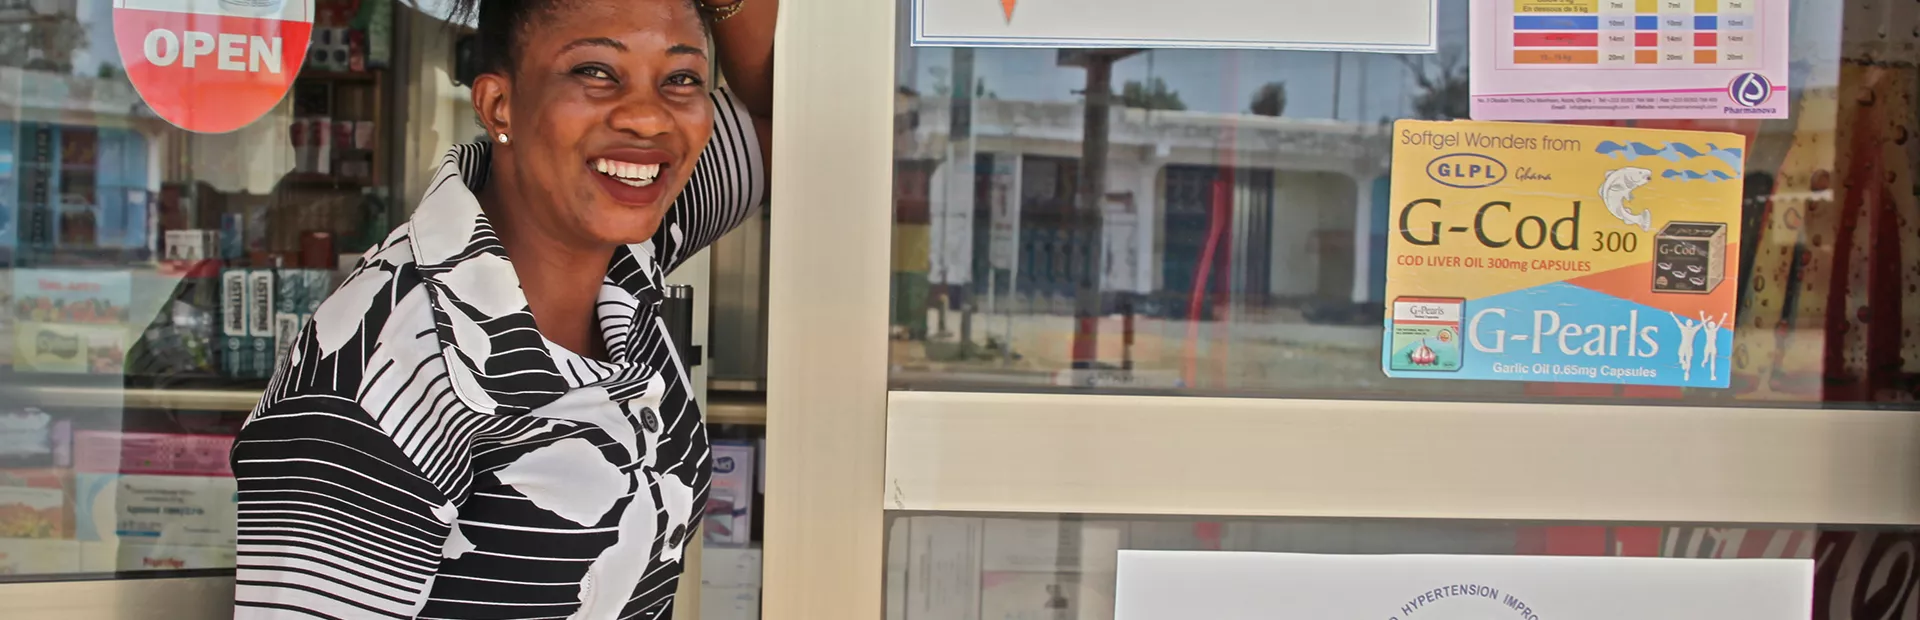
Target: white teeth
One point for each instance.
(637, 175)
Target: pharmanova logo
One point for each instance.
(1750, 90)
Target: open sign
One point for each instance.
(212, 66)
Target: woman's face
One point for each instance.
(606, 111)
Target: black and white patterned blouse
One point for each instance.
(424, 452)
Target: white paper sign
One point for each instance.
(1394, 26)
(1216, 585)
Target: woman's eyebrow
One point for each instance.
(683, 48)
(595, 41)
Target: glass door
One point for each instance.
(1043, 306)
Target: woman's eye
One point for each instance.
(684, 79)
(595, 72)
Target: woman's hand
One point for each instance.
(743, 32)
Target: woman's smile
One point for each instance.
(631, 176)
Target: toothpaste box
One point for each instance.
(298, 294)
(260, 306)
(729, 514)
(173, 511)
(289, 309)
(233, 323)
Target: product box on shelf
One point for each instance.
(71, 321)
(31, 437)
(37, 167)
(1045, 545)
(9, 187)
(1046, 596)
(164, 454)
(127, 555)
(298, 294)
(260, 305)
(36, 503)
(730, 603)
(6, 315)
(184, 337)
(193, 511)
(730, 567)
(192, 244)
(39, 556)
(729, 515)
(233, 323)
(943, 578)
(163, 490)
(289, 309)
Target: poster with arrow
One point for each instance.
(1392, 26)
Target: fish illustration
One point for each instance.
(1618, 189)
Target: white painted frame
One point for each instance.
(842, 450)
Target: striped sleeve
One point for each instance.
(334, 520)
(728, 184)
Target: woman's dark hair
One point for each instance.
(498, 24)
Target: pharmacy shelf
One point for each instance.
(724, 408)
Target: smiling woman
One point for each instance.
(475, 426)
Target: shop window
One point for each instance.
(1225, 229)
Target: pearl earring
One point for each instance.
(503, 138)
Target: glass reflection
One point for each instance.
(1229, 236)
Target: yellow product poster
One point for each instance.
(1562, 253)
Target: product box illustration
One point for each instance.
(729, 516)
(155, 510)
(1562, 253)
(1425, 334)
(70, 321)
(1690, 257)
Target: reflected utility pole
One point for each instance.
(1087, 307)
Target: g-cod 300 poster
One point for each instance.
(1560, 253)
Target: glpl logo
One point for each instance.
(1750, 90)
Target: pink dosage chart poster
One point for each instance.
(1628, 59)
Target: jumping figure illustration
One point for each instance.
(1618, 188)
(1712, 351)
(1688, 329)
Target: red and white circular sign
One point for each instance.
(212, 66)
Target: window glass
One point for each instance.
(1230, 236)
(148, 274)
(1053, 567)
